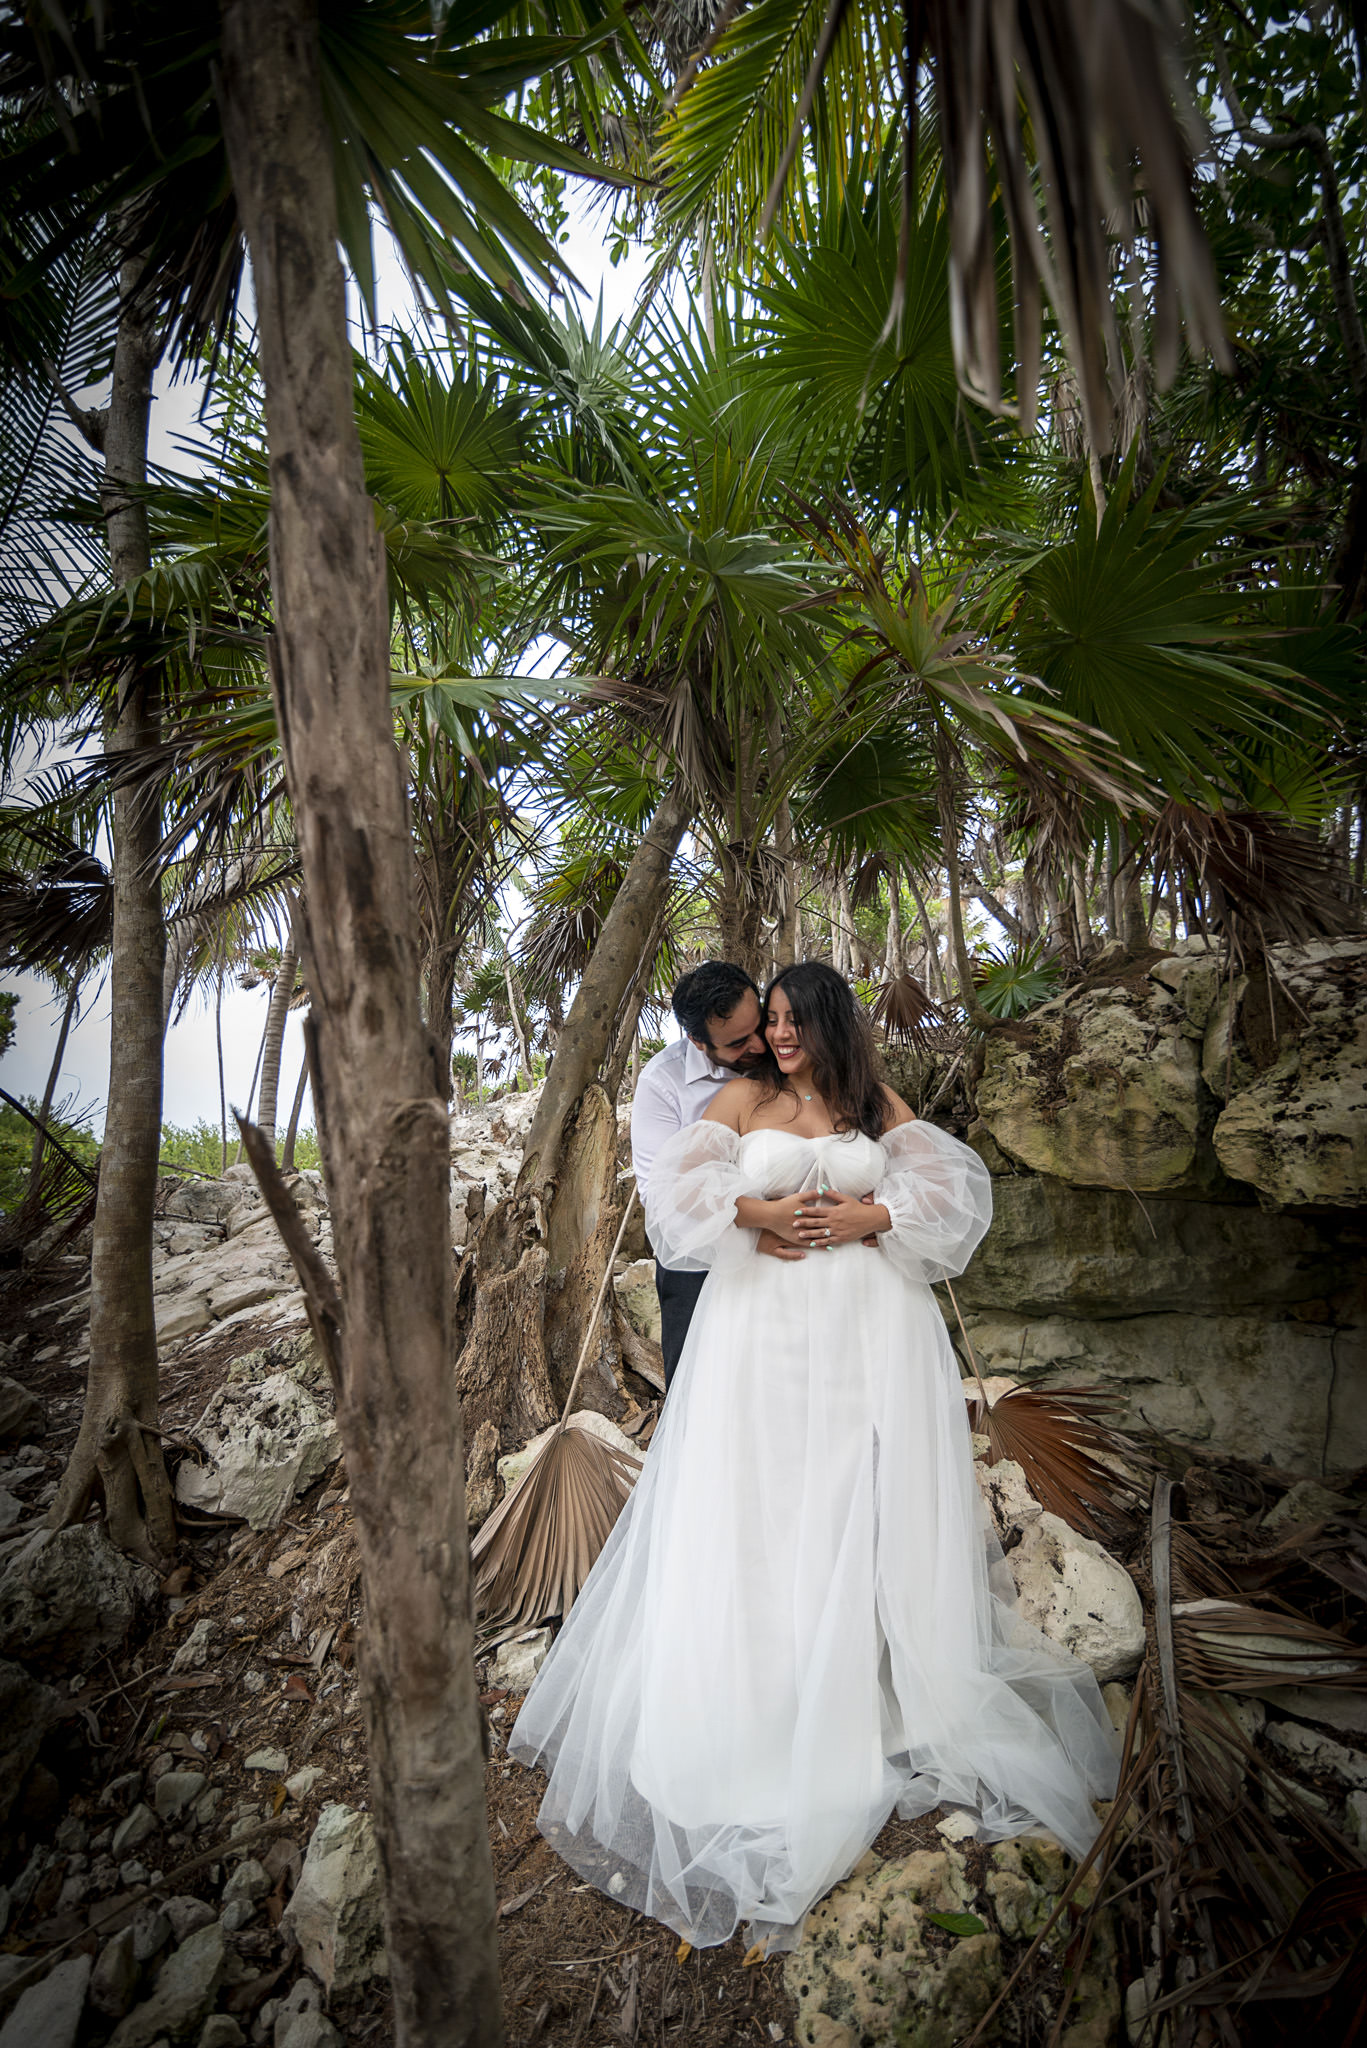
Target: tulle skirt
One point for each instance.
(801, 1622)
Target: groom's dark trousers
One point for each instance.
(678, 1294)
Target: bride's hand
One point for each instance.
(838, 1219)
(753, 1213)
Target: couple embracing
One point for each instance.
(801, 1620)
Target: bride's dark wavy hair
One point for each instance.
(838, 1040)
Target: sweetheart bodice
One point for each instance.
(784, 1161)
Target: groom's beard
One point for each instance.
(746, 1066)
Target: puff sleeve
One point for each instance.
(939, 1196)
(695, 1181)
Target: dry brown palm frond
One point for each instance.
(905, 1011)
(1059, 1438)
(1231, 1646)
(534, 1553)
(1064, 1445)
(1252, 879)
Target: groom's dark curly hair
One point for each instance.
(838, 1040)
(712, 990)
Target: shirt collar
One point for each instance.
(698, 1067)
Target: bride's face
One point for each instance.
(785, 1039)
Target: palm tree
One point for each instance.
(283, 130)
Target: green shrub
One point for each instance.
(16, 1149)
(198, 1148)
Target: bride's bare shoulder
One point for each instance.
(732, 1103)
(899, 1111)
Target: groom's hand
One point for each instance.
(871, 1242)
(774, 1248)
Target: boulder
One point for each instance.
(1101, 1088)
(266, 1441)
(1295, 1127)
(517, 1663)
(22, 1414)
(335, 1913)
(866, 1975)
(114, 1981)
(68, 1594)
(182, 1996)
(27, 1711)
(1067, 1586)
(48, 2014)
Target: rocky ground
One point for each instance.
(187, 1854)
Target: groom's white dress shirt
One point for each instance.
(674, 1089)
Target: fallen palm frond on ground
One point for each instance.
(534, 1553)
(1241, 1906)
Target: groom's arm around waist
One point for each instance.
(656, 1115)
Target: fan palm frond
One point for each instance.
(534, 1553)
(1075, 1464)
(904, 1010)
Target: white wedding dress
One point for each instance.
(801, 1619)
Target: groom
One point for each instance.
(718, 1007)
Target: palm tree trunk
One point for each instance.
(118, 1450)
(287, 1157)
(272, 1044)
(585, 1035)
(381, 1105)
(35, 1171)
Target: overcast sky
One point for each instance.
(191, 1084)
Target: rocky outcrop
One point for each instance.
(1180, 1074)
(219, 1257)
(1180, 1169)
(268, 1434)
(1294, 1124)
(909, 1952)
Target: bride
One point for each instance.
(800, 1621)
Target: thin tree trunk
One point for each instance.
(380, 1102)
(222, 1087)
(583, 1041)
(935, 978)
(256, 1076)
(895, 958)
(272, 1045)
(785, 931)
(118, 1449)
(524, 1056)
(949, 834)
(287, 1157)
(35, 1171)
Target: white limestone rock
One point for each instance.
(517, 1663)
(1077, 1595)
(266, 1442)
(48, 2014)
(335, 1913)
(1067, 1586)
